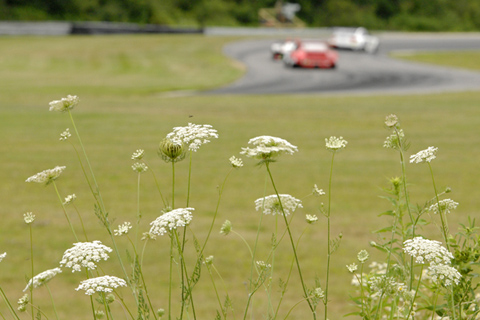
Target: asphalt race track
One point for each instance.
(356, 72)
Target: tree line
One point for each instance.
(409, 15)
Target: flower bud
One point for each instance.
(171, 151)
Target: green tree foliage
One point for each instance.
(423, 15)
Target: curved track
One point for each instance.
(357, 72)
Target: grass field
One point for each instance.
(122, 80)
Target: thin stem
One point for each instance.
(32, 265)
(170, 284)
(9, 305)
(329, 249)
(440, 211)
(65, 211)
(173, 185)
(53, 302)
(158, 187)
(81, 222)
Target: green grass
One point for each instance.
(458, 59)
(123, 108)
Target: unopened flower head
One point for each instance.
(65, 135)
(424, 250)
(47, 176)
(267, 148)
(209, 260)
(391, 121)
(2, 256)
(272, 205)
(139, 167)
(69, 199)
(319, 293)
(352, 267)
(193, 135)
(28, 217)
(171, 220)
(123, 229)
(226, 227)
(445, 206)
(148, 236)
(317, 192)
(85, 254)
(311, 219)
(444, 274)
(171, 151)
(138, 154)
(99, 314)
(101, 284)
(64, 104)
(42, 278)
(22, 303)
(395, 140)
(262, 265)
(363, 256)
(335, 144)
(423, 156)
(236, 162)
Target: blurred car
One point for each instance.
(281, 48)
(354, 39)
(311, 54)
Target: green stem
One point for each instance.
(53, 302)
(173, 185)
(32, 265)
(184, 277)
(329, 249)
(9, 305)
(65, 211)
(216, 293)
(158, 187)
(170, 284)
(440, 212)
(81, 222)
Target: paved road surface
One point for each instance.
(357, 72)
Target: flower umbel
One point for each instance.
(444, 274)
(317, 192)
(171, 220)
(193, 135)
(171, 151)
(138, 154)
(335, 144)
(42, 278)
(423, 156)
(139, 167)
(311, 219)
(391, 121)
(445, 206)
(2, 256)
(272, 205)
(28, 217)
(65, 135)
(22, 303)
(267, 148)
(226, 227)
(362, 256)
(64, 104)
(84, 254)
(69, 199)
(236, 162)
(47, 176)
(101, 284)
(424, 250)
(352, 267)
(123, 229)
(395, 140)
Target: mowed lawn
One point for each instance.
(124, 82)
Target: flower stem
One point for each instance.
(65, 211)
(440, 212)
(10, 308)
(53, 302)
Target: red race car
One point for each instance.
(311, 54)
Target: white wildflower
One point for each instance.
(352, 267)
(139, 167)
(267, 147)
(47, 176)
(122, 229)
(69, 199)
(22, 303)
(138, 154)
(236, 162)
(391, 120)
(319, 294)
(444, 274)
(193, 135)
(335, 144)
(262, 265)
(426, 155)
(446, 206)
(2, 256)
(64, 104)
(311, 219)
(28, 217)
(42, 278)
(394, 140)
(171, 220)
(424, 250)
(65, 135)
(101, 284)
(317, 192)
(363, 256)
(272, 205)
(84, 254)
(226, 228)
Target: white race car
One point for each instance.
(354, 39)
(280, 49)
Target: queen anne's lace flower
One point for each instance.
(28, 217)
(47, 176)
(65, 135)
(193, 135)
(445, 205)
(311, 219)
(2, 256)
(22, 303)
(444, 274)
(391, 120)
(64, 104)
(138, 154)
(139, 167)
(271, 205)
(84, 254)
(42, 278)
(267, 147)
(101, 284)
(335, 144)
(171, 220)
(236, 162)
(426, 155)
(69, 199)
(317, 192)
(123, 229)
(226, 227)
(363, 256)
(352, 267)
(424, 250)
(394, 140)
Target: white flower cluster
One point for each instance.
(267, 147)
(101, 284)
(444, 273)
(123, 229)
(47, 176)
(138, 154)
(426, 155)
(393, 140)
(84, 254)
(446, 206)
(272, 205)
(236, 162)
(171, 220)
(424, 250)
(42, 278)
(69, 199)
(317, 192)
(311, 219)
(139, 167)
(193, 135)
(28, 217)
(65, 135)
(335, 144)
(2, 256)
(64, 104)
